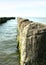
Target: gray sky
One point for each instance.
(24, 8)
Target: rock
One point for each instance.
(32, 42)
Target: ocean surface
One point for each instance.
(8, 42)
(37, 19)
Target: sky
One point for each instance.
(23, 8)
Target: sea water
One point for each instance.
(8, 43)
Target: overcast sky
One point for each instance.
(24, 8)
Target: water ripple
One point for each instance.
(8, 43)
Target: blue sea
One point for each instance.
(37, 19)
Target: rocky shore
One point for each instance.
(32, 42)
(4, 19)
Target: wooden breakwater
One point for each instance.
(32, 42)
(5, 19)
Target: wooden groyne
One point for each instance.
(5, 19)
(32, 42)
